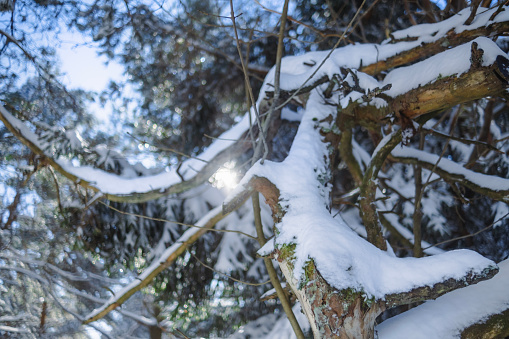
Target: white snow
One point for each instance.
(109, 183)
(295, 72)
(343, 258)
(433, 32)
(455, 61)
(156, 263)
(482, 180)
(446, 316)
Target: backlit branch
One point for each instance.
(158, 265)
(494, 187)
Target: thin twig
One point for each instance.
(246, 76)
(179, 331)
(166, 149)
(226, 275)
(274, 279)
(324, 60)
(311, 28)
(470, 235)
(463, 140)
(277, 87)
(176, 222)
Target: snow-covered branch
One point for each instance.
(422, 41)
(116, 188)
(470, 310)
(494, 187)
(158, 265)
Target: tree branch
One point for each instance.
(369, 185)
(422, 293)
(493, 187)
(442, 43)
(158, 265)
(146, 193)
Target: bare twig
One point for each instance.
(283, 298)
(297, 91)
(470, 235)
(166, 148)
(176, 222)
(246, 78)
(226, 275)
(277, 75)
(158, 265)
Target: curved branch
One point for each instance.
(367, 209)
(114, 187)
(425, 49)
(423, 293)
(491, 186)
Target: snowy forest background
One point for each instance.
(392, 146)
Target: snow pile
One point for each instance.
(446, 316)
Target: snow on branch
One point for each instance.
(349, 262)
(468, 72)
(494, 187)
(455, 313)
(158, 264)
(138, 189)
(407, 46)
(343, 261)
(422, 41)
(295, 70)
(14, 329)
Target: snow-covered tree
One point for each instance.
(382, 164)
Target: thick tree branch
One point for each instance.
(369, 185)
(494, 326)
(443, 93)
(426, 49)
(423, 293)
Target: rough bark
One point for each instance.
(346, 313)
(451, 39)
(495, 327)
(338, 314)
(477, 83)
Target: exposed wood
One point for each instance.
(441, 94)
(495, 326)
(425, 50)
(339, 314)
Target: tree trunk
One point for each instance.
(342, 314)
